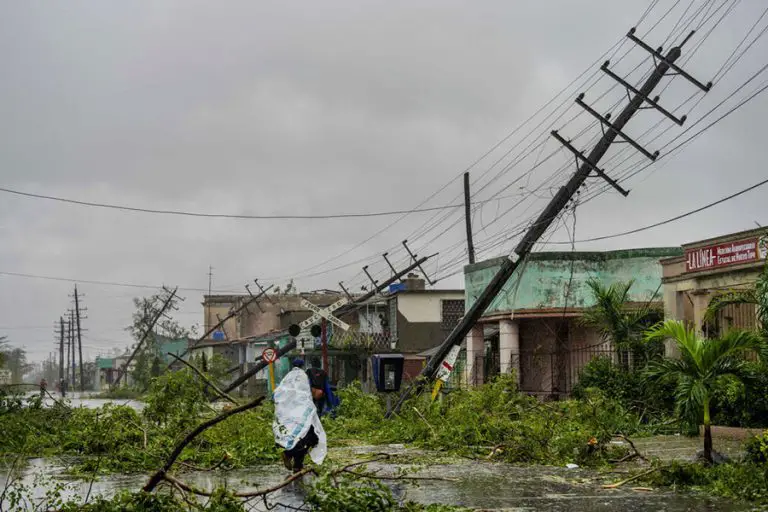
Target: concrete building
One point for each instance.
(419, 319)
(407, 318)
(708, 268)
(242, 338)
(532, 326)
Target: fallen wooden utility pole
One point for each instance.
(611, 130)
(343, 310)
(221, 321)
(150, 326)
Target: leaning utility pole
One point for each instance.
(611, 130)
(343, 310)
(232, 313)
(79, 340)
(468, 220)
(150, 327)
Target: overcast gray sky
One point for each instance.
(331, 107)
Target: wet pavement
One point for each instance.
(473, 484)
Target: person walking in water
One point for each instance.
(297, 427)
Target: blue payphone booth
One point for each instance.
(387, 372)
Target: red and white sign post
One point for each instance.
(445, 369)
(269, 356)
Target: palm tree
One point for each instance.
(702, 363)
(757, 295)
(616, 319)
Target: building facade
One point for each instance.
(709, 268)
(532, 327)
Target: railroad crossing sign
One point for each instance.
(269, 355)
(326, 313)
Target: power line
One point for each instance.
(100, 283)
(670, 220)
(187, 213)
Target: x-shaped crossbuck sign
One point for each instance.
(326, 313)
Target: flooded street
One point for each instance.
(87, 399)
(474, 484)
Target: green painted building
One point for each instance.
(532, 325)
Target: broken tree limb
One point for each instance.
(630, 479)
(377, 476)
(255, 494)
(263, 492)
(434, 434)
(216, 466)
(161, 473)
(205, 379)
(635, 452)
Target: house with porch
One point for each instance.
(533, 325)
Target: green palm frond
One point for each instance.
(668, 370)
(761, 295)
(730, 346)
(729, 298)
(690, 396)
(613, 316)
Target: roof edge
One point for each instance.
(643, 252)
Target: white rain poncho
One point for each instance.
(295, 412)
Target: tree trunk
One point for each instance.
(707, 434)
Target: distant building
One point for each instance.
(107, 368)
(418, 319)
(242, 338)
(532, 327)
(708, 268)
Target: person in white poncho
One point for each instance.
(297, 426)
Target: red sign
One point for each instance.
(723, 255)
(269, 355)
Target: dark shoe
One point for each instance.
(287, 461)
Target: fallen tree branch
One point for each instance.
(160, 473)
(263, 492)
(434, 434)
(376, 476)
(205, 379)
(495, 450)
(212, 468)
(630, 479)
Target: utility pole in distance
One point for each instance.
(468, 220)
(611, 130)
(61, 350)
(72, 346)
(79, 340)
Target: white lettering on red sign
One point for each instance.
(722, 255)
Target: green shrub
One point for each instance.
(737, 481)
(652, 401)
(493, 415)
(756, 448)
(736, 405)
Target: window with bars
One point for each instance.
(452, 313)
